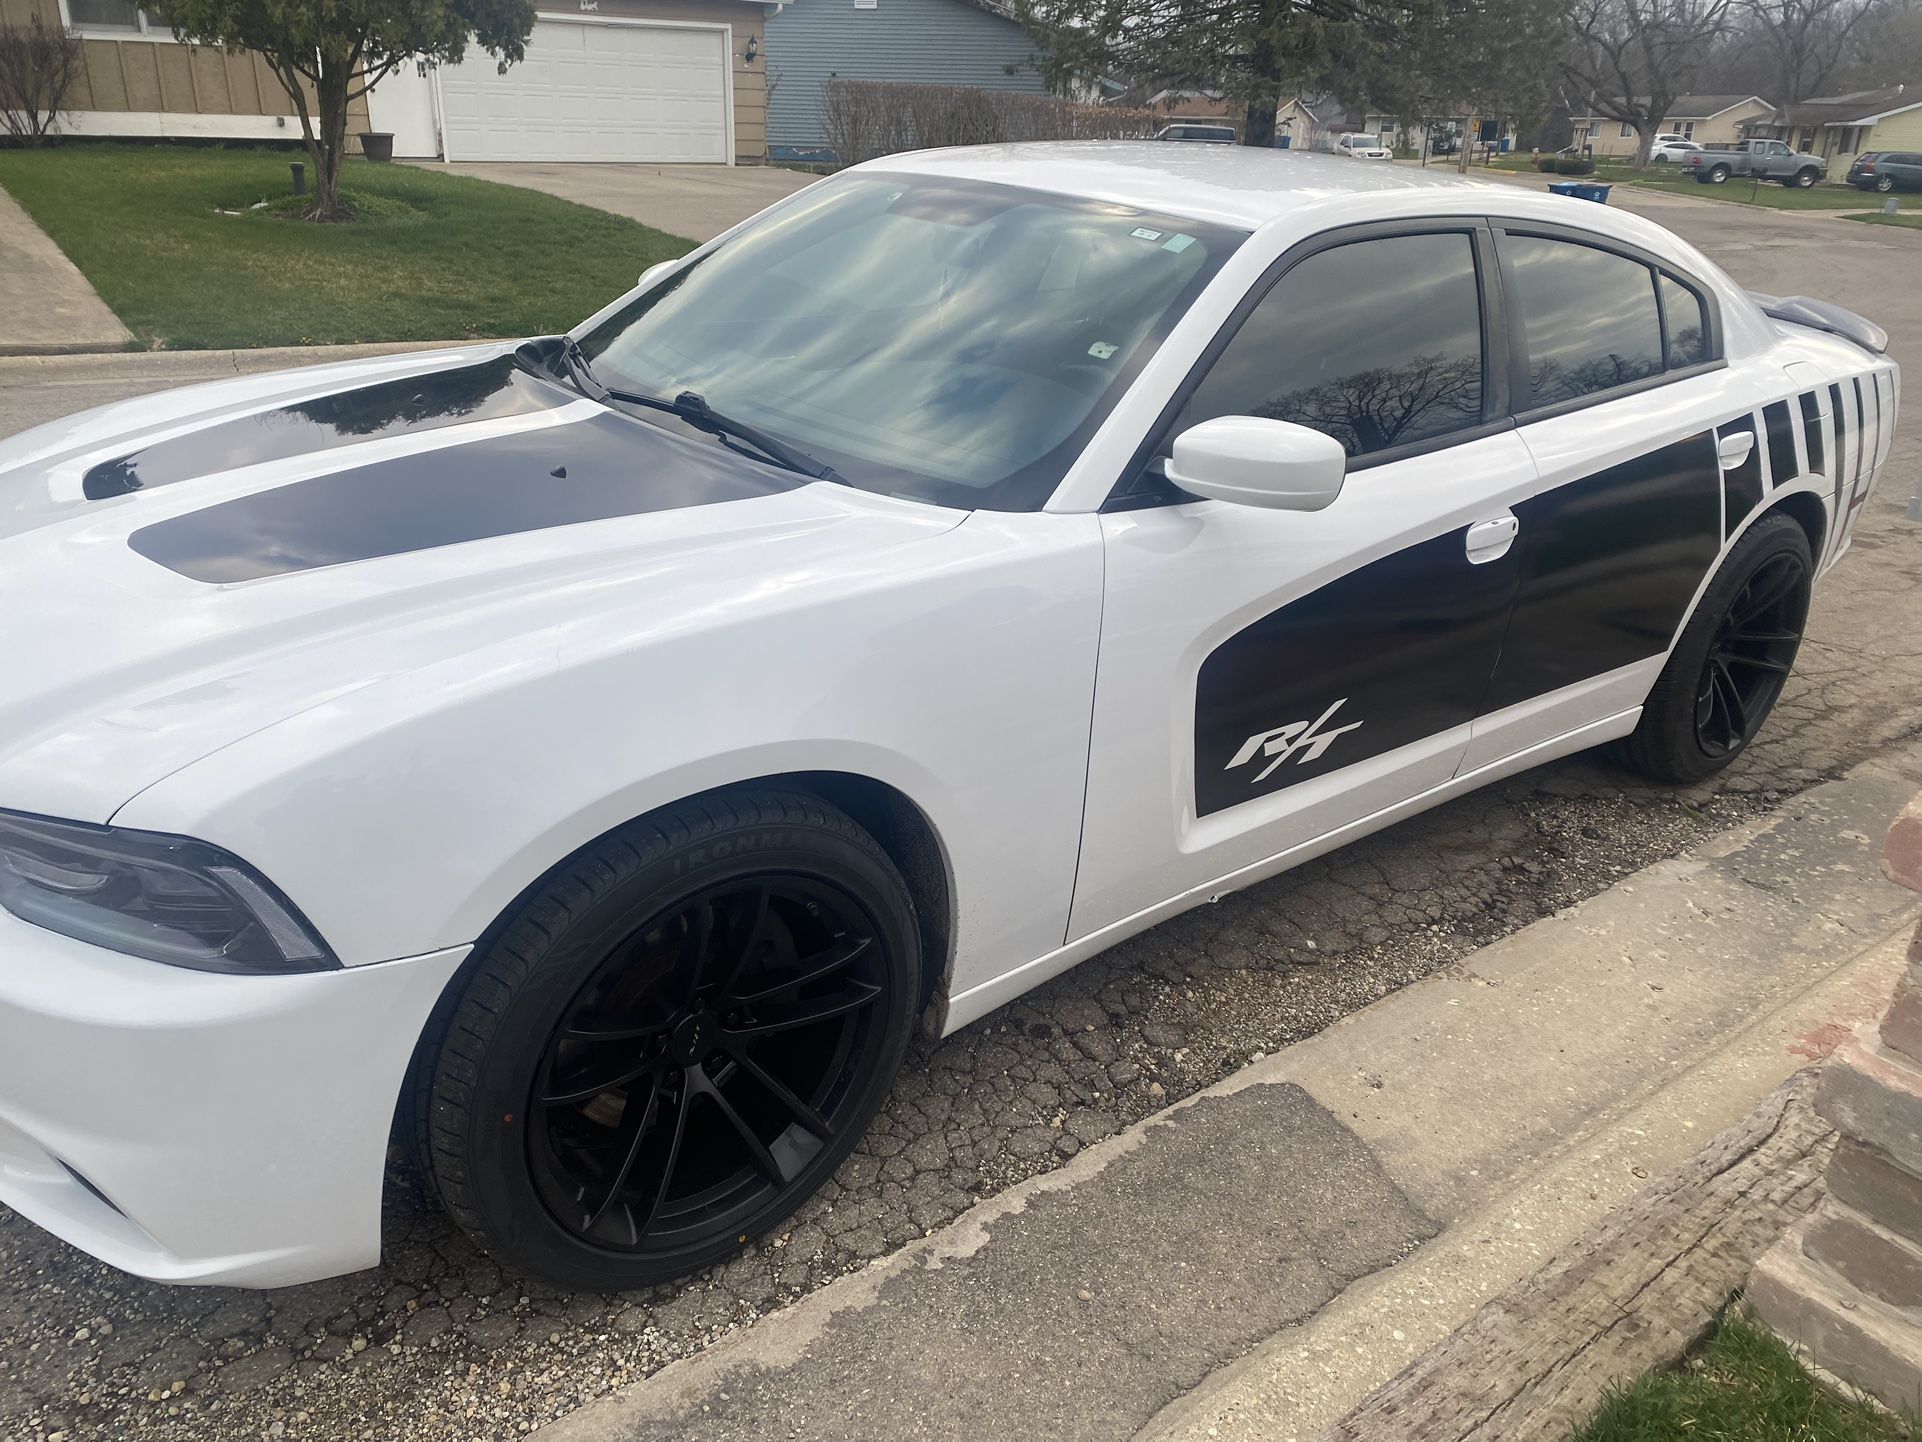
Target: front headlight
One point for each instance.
(165, 898)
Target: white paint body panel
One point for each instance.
(403, 744)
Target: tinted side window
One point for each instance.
(1378, 343)
(1685, 320)
(1588, 317)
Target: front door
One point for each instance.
(1267, 678)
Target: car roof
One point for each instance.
(1234, 185)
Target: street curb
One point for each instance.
(109, 358)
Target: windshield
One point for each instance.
(950, 341)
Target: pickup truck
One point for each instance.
(1762, 159)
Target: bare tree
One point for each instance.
(38, 67)
(1634, 57)
(1805, 41)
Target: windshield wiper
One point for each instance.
(693, 408)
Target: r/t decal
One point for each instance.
(1305, 738)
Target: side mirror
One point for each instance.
(1256, 462)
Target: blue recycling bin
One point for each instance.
(1581, 190)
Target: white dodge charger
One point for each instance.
(588, 758)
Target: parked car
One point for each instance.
(1762, 159)
(595, 756)
(1671, 148)
(1206, 134)
(1363, 147)
(1887, 170)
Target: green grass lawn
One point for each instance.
(1909, 220)
(1745, 1386)
(434, 257)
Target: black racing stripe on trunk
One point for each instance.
(1609, 564)
(554, 475)
(1741, 487)
(1812, 429)
(1781, 433)
(1404, 644)
(464, 394)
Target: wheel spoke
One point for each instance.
(596, 1034)
(645, 1223)
(635, 1122)
(1765, 589)
(807, 1013)
(693, 952)
(740, 939)
(580, 1091)
(699, 1080)
(1768, 638)
(1732, 702)
(844, 952)
(806, 1115)
(1760, 663)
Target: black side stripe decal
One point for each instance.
(557, 475)
(1812, 430)
(1781, 434)
(1741, 487)
(413, 403)
(1842, 477)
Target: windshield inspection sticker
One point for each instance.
(1101, 350)
(1179, 243)
(1141, 232)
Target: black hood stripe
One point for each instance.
(552, 475)
(458, 396)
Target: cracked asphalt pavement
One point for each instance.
(437, 1343)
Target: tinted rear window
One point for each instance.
(1588, 317)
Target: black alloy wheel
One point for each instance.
(708, 1061)
(672, 1041)
(1734, 655)
(1750, 657)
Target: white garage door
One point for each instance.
(593, 92)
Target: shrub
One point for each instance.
(1546, 163)
(38, 67)
(1574, 165)
(866, 118)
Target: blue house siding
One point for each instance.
(933, 42)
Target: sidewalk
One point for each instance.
(1253, 1263)
(46, 305)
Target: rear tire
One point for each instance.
(1717, 175)
(1885, 183)
(1727, 670)
(673, 1040)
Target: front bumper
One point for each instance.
(190, 1127)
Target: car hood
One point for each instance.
(179, 572)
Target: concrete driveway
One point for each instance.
(697, 201)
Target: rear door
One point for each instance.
(1270, 677)
(1622, 397)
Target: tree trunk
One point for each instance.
(329, 145)
(1258, 127)
(1264, 66)
(1645, 134)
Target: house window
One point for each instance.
(116, 16)
(1627, 130)
(1688, 130)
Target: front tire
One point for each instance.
(1806, 177)
(674, 1040)
(1727, 670)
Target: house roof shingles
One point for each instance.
(1855, 108)
(1694, 107)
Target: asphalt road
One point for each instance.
(437, 1343)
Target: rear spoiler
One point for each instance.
(1820, 315)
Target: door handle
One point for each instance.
(1734, 448)
(1490, 540)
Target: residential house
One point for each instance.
(933, 42)
(1708, 120)
(1311, 123)
(138, 82)
(646, 80)
(1840, 127)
